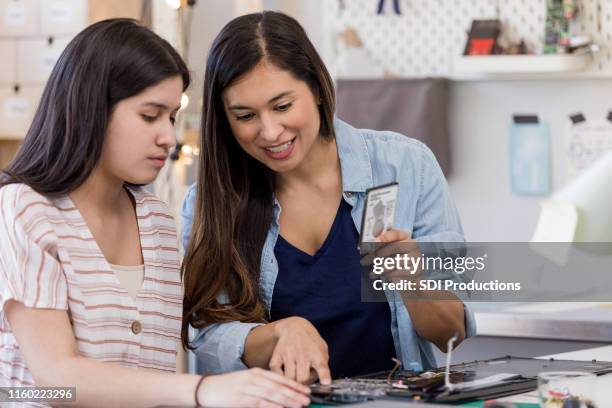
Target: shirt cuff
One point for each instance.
(220, 346)
(231, 346)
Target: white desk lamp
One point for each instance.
(591, 194)
(582, 210)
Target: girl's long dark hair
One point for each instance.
(105, 63)
(234, 203)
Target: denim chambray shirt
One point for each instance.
(424, 208)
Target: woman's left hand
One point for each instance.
(433, 319)
(391, 244)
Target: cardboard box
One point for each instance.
(19, 18)
(101, 10)
(8, 67)
(63, 17)
(36, 58)
(17, 109)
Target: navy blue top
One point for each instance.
(325, 289)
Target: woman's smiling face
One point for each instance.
(273, 116)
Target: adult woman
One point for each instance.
(89, 273)
(269, 142)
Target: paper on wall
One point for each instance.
(586, 142)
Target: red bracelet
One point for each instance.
(197, 388)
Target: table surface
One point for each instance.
(603, 384)
(582, 321)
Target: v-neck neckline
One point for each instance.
(87, 235)
(326, 243)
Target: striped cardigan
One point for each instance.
(49, 259)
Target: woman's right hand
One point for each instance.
(300, 352)
(252, 388)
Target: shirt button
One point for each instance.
(136, 327)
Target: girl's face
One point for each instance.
(140, 133)
(274, 117)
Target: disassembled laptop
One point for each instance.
(493, 378)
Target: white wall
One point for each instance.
(480, 113)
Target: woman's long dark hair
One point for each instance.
(234, 203)
(105, 63)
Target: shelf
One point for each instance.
(519, 66)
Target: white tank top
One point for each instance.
(130, 277)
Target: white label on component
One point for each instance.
(61, 12)
(15, 15)
(16, 108)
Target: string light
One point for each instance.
(187, 150)
(184, 101)
(175, 4)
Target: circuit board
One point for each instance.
(431, 386)
(405, 384)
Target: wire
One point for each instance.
(447, 369)
(398, 365)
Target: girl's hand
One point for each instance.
(300, 353)
(252, 388)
